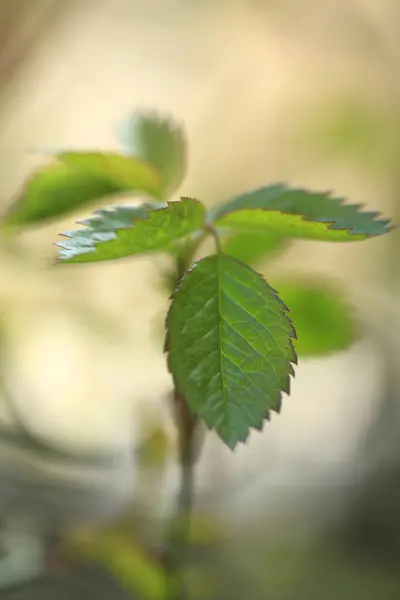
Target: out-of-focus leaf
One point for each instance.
(126, 561)
(297, 213)
(154, 450)
(322, 318)
(252, 248)
(158, 141)
(152, 233)
(75, 180)
(229, 346)
(353, 129)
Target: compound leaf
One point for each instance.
(229, 346)
(143, 231)
(74, 180)
(158, 141)
(323, 320)
(299, 214)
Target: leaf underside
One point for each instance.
(229, 346)
(158, 141)
(127, 231)
(77, 179)
(299, 214)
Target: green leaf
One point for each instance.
(229, 346)
(252, 248)
(118, 217)
(322, 318)
(74, 180)
(143, 231)
(121, 555)
(159, 142)
(299, 214)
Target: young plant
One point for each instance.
(229, 339)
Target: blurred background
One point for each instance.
(304, 92)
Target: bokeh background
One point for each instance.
(305, 92)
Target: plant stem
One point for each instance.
(215, 235)
(179, 526)
(180, 521)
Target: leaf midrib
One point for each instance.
(219, 304)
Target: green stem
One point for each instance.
(216, 237)
(180, 522)
(179, 527)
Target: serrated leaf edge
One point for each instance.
(92, 243)
(292, 335)
(329, 194)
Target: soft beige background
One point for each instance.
(244, 81)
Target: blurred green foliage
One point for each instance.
(348, 127)
(322, 317)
